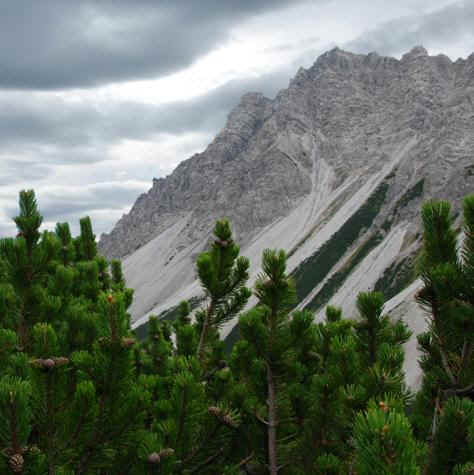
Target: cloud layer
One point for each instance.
(99, 97)
(56, 44)
(449, 30)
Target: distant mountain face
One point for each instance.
(333, 170)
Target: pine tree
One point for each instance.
(447, 361)
(69, 400)
(453, 444)
(63, 232)
(87, 243)
(223, 275)
(264, 359)
(79, 394)
(380, 346)
(184, 421)
(328, 396)
(26, 260)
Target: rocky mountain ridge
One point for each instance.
(333, 169)
(422, 83)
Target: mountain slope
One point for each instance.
(333, 170)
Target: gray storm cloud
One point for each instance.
(57, 44)
(442, 28)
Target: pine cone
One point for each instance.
(224, 417)
(61, 361)
(16, 462)
(49, 363)
(154, 458)
(229, 422)
(166, 453)
(44, 364)
(215, 411)
(38, 362)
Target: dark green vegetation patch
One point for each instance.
(412, 193)
(396, 277)
(314, 269)
(338, 278)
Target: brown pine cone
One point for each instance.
(166, 453)
(61, 361)
(154, 458)
(224, 417)
(229, 422)
(44, 364)
(16, 462)
(49, 363)
(215, 411)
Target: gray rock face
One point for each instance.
(337, 126)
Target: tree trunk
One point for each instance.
(272, 422)
(204, 332)
(202, 339)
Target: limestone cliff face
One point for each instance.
(289, 172)
(236, 171)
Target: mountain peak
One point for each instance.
(335, 58)
(334, 53)
(304, 161)
(416, 52)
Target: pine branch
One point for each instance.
(261, 419)
(196, 450)
(182, 415)
(206, 462)
(466, 391)
(205, 330)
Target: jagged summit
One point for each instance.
(416, 52)
(289, 172)
(335, 57)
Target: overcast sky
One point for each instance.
(98, 97)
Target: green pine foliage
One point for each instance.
(453, 445)
(80, 395)
(328, 396)
(380, 346)
(384, 442)
(223, 275)
(448, 297)
(70, 400)
(264, 359)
